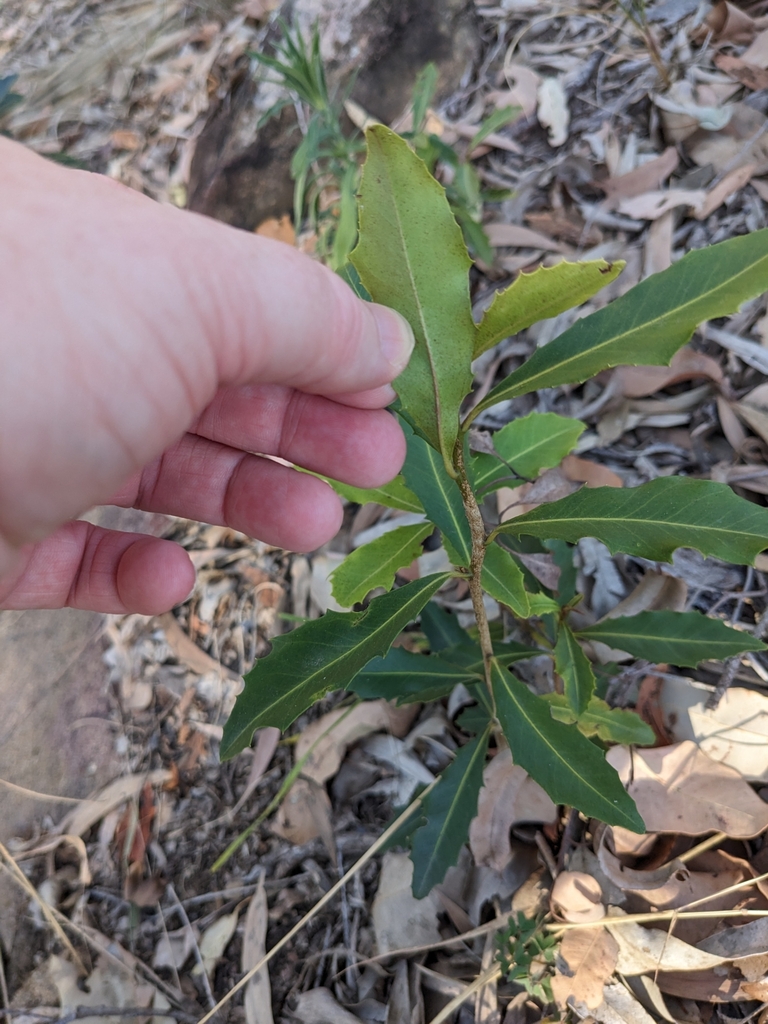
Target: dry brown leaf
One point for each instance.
(215, 940)
(87, 813)
(735, 434)
(124, 138)
(645, 950)
(645, 178)
(657, 255)
(629, 879)
(105, 987)
(735, 733)
(304, 814)
(281, 230)
(741, 141)
(649, 709)
(565, 224)
(680, 789)
(318, 1006)
(652, 205)
(258, 994)
(752, 476)
(522, 92)
(761, 187)
(590, 473)
(543, 567)
(586, 960)
(577, 898)
(266, 745)
(655, 592)
(516, 236)
(716, 986)
(749, 75)
(687, 364)
(186, 650)
(509, 796)
(753, 410)
(729, 24)
(399, 919)
(620, 1007)
(732, 182)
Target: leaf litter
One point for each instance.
(606, 159)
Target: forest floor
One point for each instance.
(636, 140)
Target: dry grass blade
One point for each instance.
(361, 862)
(656, 916)
(479, 983)
(21, 879)
(34, 795)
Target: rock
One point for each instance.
(241, 173)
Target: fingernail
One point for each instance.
(395, 336)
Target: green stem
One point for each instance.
(477, 532)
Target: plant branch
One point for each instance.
(477, 532)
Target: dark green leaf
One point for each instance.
(654, 519)
(545, 293)
(423, 91)
(469, 656)
(411, 256)
(611, 725)
(448, 808)
(395, 494)
(492, 123)
(375, 564)
(573, 667)
(537, 441)
(473, 719)
(565, 763)
(677, 638)
(648, 324)
(502, 579)
(407, 677)
(324, 654)
(439, 494)
(441, 628)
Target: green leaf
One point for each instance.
(648, 324)
(565, 763)
(407, 677)
(541, 604)
(527, 445)
(423, 91)
(395, 494)
(439, 494)
(469, 656)
(492, 123)
(441, 628)
(473, 719)
(322, 655)
(375, 564)
(411, 256)
(573, 667)
(654, 519)
(502, 578)
(611, 725)
(545, 293)
(448, 808)
(677, 638)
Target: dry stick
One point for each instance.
(361, 862)
(21, 879)
(659, 915)
(707, 844)
(477, 531)
(195, 947)
(480, 982)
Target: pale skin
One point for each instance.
(147, 354)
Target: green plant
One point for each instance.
(411, 255)
(526, 953)
(9, 99)
(326, 168)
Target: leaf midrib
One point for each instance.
(646, 325)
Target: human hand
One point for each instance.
(146, 353)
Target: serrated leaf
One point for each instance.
(538, 441)
(611, 725)
(411, 256)
(470, 656)
(448, 808)
(375, 564)
(441, 628)
(540, 604)
(545, 293)
(322, 655)
(676, 638)
(395, 494)
(565, 763)
(407, 677)
(654, 519)
(439, 494)
(573, 667)
(502, 578)
(649, 323)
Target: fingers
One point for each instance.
(365, 448)
(85, 566)
(199, 479)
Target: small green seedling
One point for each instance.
(411, 255)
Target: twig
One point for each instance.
(659, 915)
(702, 847)
(195, 947)
(21, 879)
(369, 854)
(457, 940)
(480, 982)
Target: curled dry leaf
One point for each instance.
(523, 89)
(105, 987)
(577, 898)
(258, 994)
(518, 237)
(646, 950)
(584, 471)
(509, 796)
(735, 733)
(753, 410)
(620, 1007)
(719, 985)
(585, 961)
(652, 205)
(645, 178)
(687, 364)
(86, 814)
(304, 814)
(629, 879)
(215, 940)
(680, 789)
(732, 182)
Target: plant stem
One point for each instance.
(477, 532)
